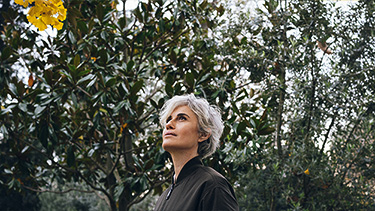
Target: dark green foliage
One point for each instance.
(315, 65)
(14, 200)
(89, 113)
(294, 81)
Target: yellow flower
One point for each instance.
(24, 3)
(37, 22)
(58, 25)
(307, 172)
(45, 12)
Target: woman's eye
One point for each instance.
(168, 119)
(181, 118)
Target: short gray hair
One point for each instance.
(209, 120)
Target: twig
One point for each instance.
(329, 130)
(57, 192)
(84, 91)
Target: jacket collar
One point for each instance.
(188, 168)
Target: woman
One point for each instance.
(192, 129)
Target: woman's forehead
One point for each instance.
(182, 109)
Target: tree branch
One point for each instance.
(70, 170)
(327, 134)
(57, 192)
(279, 118)
(159, 45)
(154, 184)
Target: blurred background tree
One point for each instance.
(87, 118)
(294, 80)
(313, 61)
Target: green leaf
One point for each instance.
(104, 35)
(103, 56)
(252, 93)
(72, 37)
(39, 110)
(100, 12)
(87, 77)
(177, 89)
(74, 99)
(70, 157)
(7, 171)
(235, 109)
(122, 22)
(204, 4)
(266, 131)
(138, 14)
(118, 191)
(48, 76)
(5, 54)
(170, 79)
(241, 127)
(13, 90)
(96, 119)
(130, 65)
(148, 164)
(93, 80)
(220, 10)
(215, 94)
(103, 110)
(161, 26)
(43, 134)
(173, 57)
(136, 87)
(120, 105)
(204, 78)
(111, 82)
(77, 60)
(22, 107)
(8, 109)
(153, 103)
(83, 27)
(20, 88)
(169, 89)
(91, 153)
(189, 77)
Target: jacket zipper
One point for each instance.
(170, 192)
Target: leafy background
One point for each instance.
(294, 81)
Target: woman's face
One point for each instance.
(181, 131)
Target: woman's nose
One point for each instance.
(169, 125)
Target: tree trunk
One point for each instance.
(280, 111)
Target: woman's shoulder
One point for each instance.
(211, 176)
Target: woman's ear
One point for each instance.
(204, 136)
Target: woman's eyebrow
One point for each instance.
(178, 115)
(183, 114)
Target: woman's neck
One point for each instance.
(179, 161)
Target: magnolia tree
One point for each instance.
(89, 110)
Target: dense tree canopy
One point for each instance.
(89, 112)
(314, 61)
(294, 81)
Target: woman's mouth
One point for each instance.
(169, 134)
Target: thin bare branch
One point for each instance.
(40, 190)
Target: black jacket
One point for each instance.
(198, 187)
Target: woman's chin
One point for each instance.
(168, 147)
